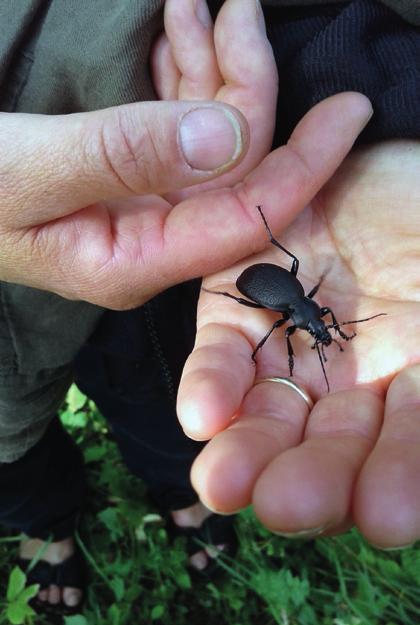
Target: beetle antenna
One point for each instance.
(322, 365)
(345, 323)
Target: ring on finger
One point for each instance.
(287, 382)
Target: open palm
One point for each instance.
(316, 473)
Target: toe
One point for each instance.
(199, 561)
(72, 597)
(54, 595)
(43, 595)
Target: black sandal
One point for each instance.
(69, 573)
(216, 530)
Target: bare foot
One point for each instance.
(54, 553)
(194, 516)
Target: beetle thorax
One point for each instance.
(307, 316)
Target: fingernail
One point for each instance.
(210, 138)
(202, 13)
(369, 114)
(369, 117)
(397, 548)
(309, 533)
(220, 512)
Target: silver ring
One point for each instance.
(287, 382)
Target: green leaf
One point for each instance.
(236, 603)
(76, 619)
(411, 563)
(75, 399)
(28, 594)
(152, 518)
(389, 568)
(93, 454)
(148, 519)
(17, 581)
(111, 519)
(118, 586)
(157, 612)
(183, 580)
(73, 420)
(114, 615)
(17, 612)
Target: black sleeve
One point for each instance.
(361, 45)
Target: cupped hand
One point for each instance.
(356, 457)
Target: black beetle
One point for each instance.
(273, 287)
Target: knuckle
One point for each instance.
(301, 163)
(130, 152)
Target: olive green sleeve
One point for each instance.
(65, 56)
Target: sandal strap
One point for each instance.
(218, 530)
(41, 573)
(215, 530)
(69, 573)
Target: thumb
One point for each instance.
(51, 166)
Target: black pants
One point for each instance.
(132, 375)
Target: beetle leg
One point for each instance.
(277, 324)
(339, 346)
(314, 291)
(240, 300)
(336, 325)
(316, 344)
(295, 263)
(290, 330)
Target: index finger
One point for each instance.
(220, 227)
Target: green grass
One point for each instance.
(138, 576)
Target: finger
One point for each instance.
(194, 54)
(307, 490)
(250, 80)
(52, 165)
(126, 259)
(165, 73)
(387, 496)
(284, 183)
(215, 379)
(271, 420)
(249, 70)
(247, 63)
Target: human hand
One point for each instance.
(355, 458)
(84, 198)
(229, 62)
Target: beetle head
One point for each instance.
(316, 326)
(320, 332)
